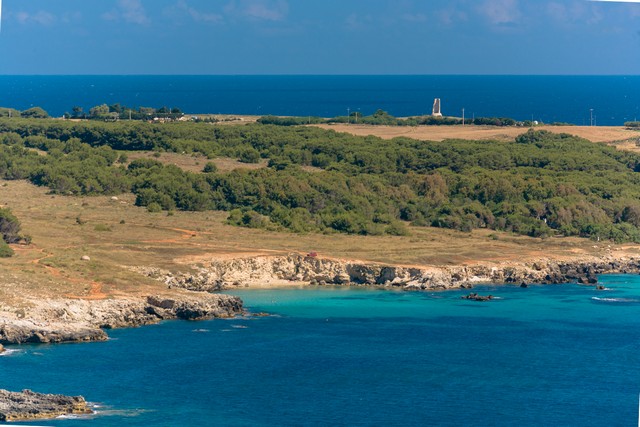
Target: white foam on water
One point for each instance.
(615, 299)
(10, 352)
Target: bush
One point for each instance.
(210, 167)
(9, 226)
(397, 228)
(249, 155)
(154, 207)
(5, 250)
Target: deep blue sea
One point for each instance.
(614, 99)
(555, 355)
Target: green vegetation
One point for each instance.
(632, 125)
(32, 113)
(381, 117)
(10, 230)
(116, 112)
(539, 185)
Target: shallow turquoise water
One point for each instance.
(546, 355)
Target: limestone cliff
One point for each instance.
(218, 275)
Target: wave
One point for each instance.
(10, 352)
(105, 411)
(200, 330)
(626, 300)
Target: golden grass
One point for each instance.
(608, 134)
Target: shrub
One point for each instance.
(154, 207)
(397, 228)
(249, 155)
(9, 226)
(5, 250)
(210, 167)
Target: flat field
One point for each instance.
(608, 134)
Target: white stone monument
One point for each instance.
(436, 108)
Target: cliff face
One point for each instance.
(69, 320)
(266, 270)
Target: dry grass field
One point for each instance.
(116, 234)
(608, 134)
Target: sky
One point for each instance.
(232, 37)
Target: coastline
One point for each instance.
(296, 269)
(194, 293)
(194, 296)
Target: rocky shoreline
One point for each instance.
(73, 320)
(77, 320)
(27, 405)
(218, 275)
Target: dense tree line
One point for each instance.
(33, 113)
(322, 181)
(381, 117)
(116, 112)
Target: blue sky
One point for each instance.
(319, 37)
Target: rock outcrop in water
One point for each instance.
(71, 320)
(27, 405)
(218, 275)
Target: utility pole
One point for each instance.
(462, 116)
(591, 117)
(348, 115)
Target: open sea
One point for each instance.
(614, 99)
(554, 355)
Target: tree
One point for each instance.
(35, 113)
(78, 112)
(9, 226)
(210, 167)
(99, 111)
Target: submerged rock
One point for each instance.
(476, 297)
(28, 405)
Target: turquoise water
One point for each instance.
(545, 355)
(614, 99)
